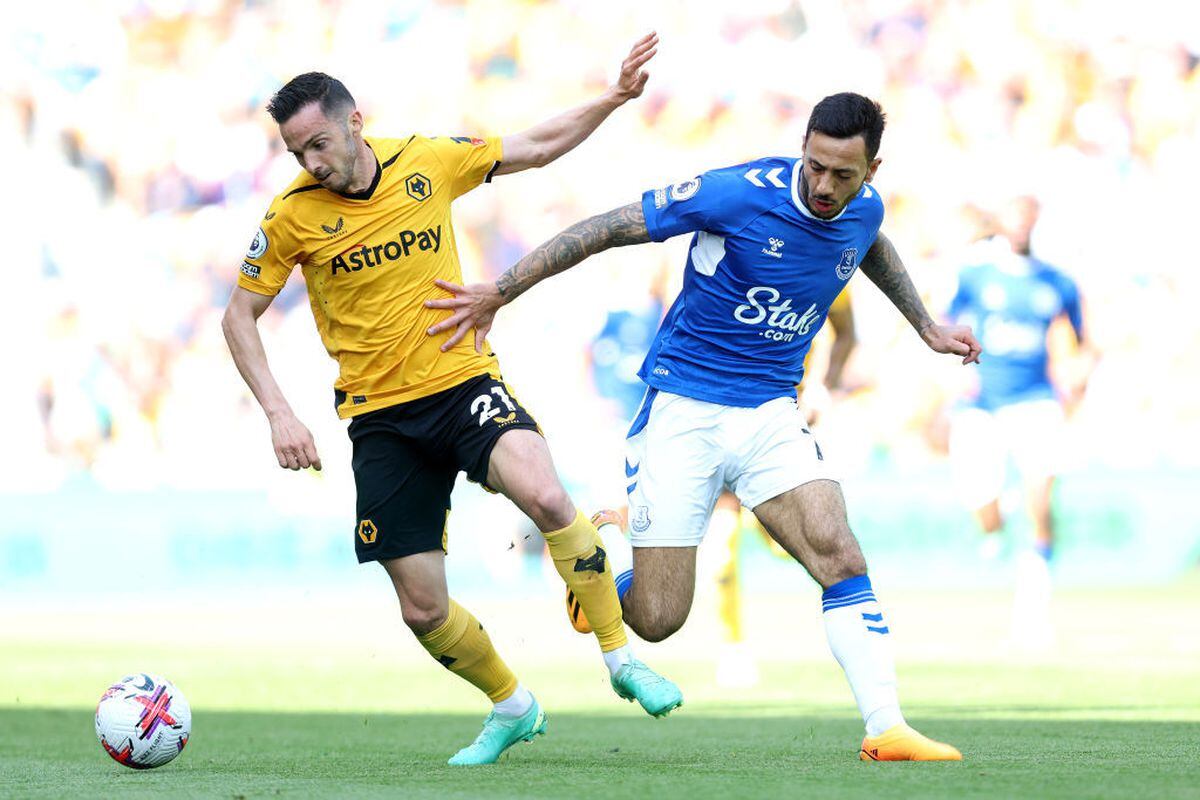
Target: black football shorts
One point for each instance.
(407, 456)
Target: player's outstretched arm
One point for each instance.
(883, 266)
(543, 143)
(294, 446)
(475, 306)
(845, 339)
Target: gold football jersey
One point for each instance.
(369, 260)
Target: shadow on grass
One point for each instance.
(53, 753)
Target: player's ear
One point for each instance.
(355, 122)
(874, 165)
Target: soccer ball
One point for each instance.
(143, 721)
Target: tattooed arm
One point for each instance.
(885, 269)
(883, 266)
(617, 228)
(475, 306)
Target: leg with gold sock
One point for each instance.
(579, 556)
(736, 668)
(461, 645)
(520, 466)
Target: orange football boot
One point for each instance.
(902, 743)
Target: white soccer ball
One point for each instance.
(143, 721)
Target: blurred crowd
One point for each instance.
(141, 160)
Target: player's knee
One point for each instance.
(551, 508)
(837, 559)
(659, 629)
(849, 563)
(657, 625)
(423, 619)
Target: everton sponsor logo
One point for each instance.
(766, 306)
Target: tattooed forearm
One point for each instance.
(885, 269)
(619, 227)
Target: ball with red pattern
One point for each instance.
(143, 721)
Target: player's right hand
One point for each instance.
(474, 306)
(294, 445)
(958, 340)
(632, 80)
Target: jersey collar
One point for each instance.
(366, 193)
(800, 203)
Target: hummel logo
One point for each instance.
(775, 245)
(594, 562)
(336, 229)
(270, 215)
(446, 661)
(772, 176)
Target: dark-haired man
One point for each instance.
(369, 222)
(775, 241)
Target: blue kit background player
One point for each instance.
(774, 242)
(1012, 300)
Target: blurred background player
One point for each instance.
(1013, 300)
(723, 550)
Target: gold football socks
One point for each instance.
(461, 645)
(581, 561)
(729, 590)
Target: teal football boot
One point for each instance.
(500, 733)
(657, 695)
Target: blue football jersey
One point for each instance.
(761, 274)
(617, 353)
(1011, 301)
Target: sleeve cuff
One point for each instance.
(650, 212)
(258, 288)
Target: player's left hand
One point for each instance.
(632, 80)
(474, 306)
(956, 339)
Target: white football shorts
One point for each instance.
(981, 443)
(681, 453)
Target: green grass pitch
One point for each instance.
(272, 719)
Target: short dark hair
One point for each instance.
(847, 114)
(311, 87)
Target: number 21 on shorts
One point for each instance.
(482, 405)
